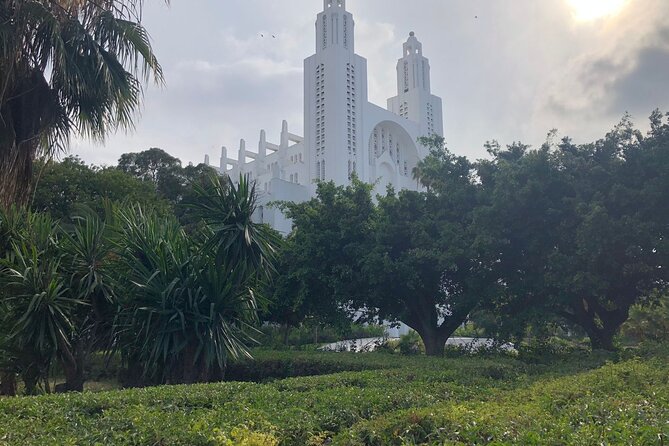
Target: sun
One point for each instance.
(589, 10)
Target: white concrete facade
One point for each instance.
(343, 132)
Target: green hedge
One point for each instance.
(403, 400)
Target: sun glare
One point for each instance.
(588, 10)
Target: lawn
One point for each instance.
(372, 399)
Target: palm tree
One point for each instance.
(66, 67)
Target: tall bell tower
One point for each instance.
(414, 100)
(335, 94)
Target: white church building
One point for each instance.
(343, 132)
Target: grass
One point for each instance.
(381, 399)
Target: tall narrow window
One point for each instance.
(323, 171)
(325, 31)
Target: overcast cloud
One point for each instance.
(506, 69)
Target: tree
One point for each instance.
(64, 186)
(66, 68)
(416, 257)
(158, 167)
(191, 300)
(57, 295)
(430, 266)
(87, 265)
(34, 296)
(322, 254)
(581, 233)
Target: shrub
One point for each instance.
(410, 344)
(403, 400)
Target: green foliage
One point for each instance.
(311, 333)
(170, 181)
(56, 291)
(322, 254)
(190, 301)
(62, 187)
(410, 344)
(175, 305)
(227, 208)
(618, 404)
(577, 228)
(648, 321)
(416, 257)
(404, 400)
(67, 69)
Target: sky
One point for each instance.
(509, 70)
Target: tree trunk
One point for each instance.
(24, 107)
(286, 332)
(74, 378)
(30, 378)
(73, 366)
(601, 338)
(599, 323)
(425, 321)
(16, 167)
(434, 341)
(8, 383)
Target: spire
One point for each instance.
(262, 144)
(413, 69)
(330, 3)
(241, 158)
(334, 27)
(412, 45)
(284, 135)
(224, 159)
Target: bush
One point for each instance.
(410, 344)
(402, 400)
(648, 322)
(309, 335)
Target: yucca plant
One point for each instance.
(190, 302)
(86, 265)
(36, 299)
(56, 295)
(66, 67)
(235, 239)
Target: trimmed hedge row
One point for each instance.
(403, 401)
(618, 404)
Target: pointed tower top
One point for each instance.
(412, 45)
(330, 3)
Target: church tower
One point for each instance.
(414, 100)
(335, 94)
